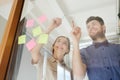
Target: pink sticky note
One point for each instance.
(42, 18)
(31, 44)
(30, 23)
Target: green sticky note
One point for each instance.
(22, 39)
(36, 31)
(43, 38)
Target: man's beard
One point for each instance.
(98, 35)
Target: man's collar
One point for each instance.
(98, 44)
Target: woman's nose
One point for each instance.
(60, 44)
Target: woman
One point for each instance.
(61, 47)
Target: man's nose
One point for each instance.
(91, 27)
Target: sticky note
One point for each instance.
(22, 39)
(42, 18)
(43, 38)
(30, 23)
(36, 31)
(31, 44)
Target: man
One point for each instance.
(101, 60)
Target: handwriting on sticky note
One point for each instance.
(31, 44)
(43, 38)
(30, 23)
(36, 31)
(22, 39)
(42, 18)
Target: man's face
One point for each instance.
(95, 29)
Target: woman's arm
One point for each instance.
(35, 52)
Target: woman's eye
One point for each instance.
(65, 43)
(58, 40)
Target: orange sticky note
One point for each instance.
(42, 18)
(31, 44)
(43, 38)
(22, 39)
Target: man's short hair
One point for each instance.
(99, 19)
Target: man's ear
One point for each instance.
(104, 28)
(119, 23)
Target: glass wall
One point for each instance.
(38, 16)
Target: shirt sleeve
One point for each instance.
(83, 55)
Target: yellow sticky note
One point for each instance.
(22, 39)
(43, 38)
(36, 31)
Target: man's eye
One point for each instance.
(94, 24)
(88, 27)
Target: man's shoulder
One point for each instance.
(87, 47)
(114, 45)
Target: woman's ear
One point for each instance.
(67, 51)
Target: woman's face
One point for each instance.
(61, 47)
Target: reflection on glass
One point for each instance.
(39, 15)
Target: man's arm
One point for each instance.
(35, 52)
(79, 68)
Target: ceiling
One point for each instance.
(77, 10)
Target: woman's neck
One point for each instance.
(58, 59)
